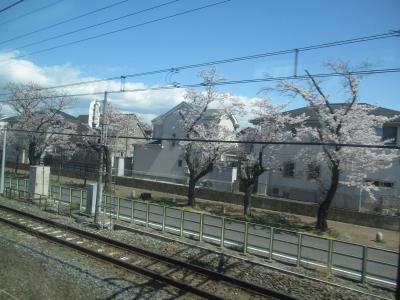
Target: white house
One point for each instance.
(163, 160)
(294, 179)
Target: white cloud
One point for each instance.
(147, 104)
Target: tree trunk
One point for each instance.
(191, 192)
(34, 158)
(323, 209)
(248, 190)
(85, 171)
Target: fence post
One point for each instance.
(164, 217)
(246, 237)
(299, 242)
(17, 187)
(182, 218)
(70, 201)
(26, 184)
(222, 232)
(330, 256)
(104, 205)
(59, 194)
(271, 242)
(118, 206)
(364, 265)
(133, 212)
(81, 200)
(147, 213)
(201, 227)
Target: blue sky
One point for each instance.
(232, 29)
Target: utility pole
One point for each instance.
(103, 143)
(3, 160)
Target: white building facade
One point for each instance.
(163, 160)
(294, 179)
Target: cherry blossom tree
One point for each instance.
(201, 157)
(120, 125)
(348, 123)
(39, 112)
(271, 125)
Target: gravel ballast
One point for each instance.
(33, 268)
(224, 262)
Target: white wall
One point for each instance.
(300, 188)
(152, 161)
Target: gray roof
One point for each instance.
(66, 116)
(310, 112)
(181, 105)
(208, 114)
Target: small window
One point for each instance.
(388, 134)
(313, 171)
(377, 183)
(180, 163)
(387, 184)
(288, 169)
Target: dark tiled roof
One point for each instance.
(310, 112)
(83, 118)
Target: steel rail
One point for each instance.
(118, 262)
(212, 274)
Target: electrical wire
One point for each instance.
(212, 140)
(63, 22)
(222, 83)
(96, 25)
(121, 29)
(231, 60)
(11, 5)
(32, 12)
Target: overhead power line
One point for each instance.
(63, 22)
(222, 83)
(232, 60)
(122, 29)
(96, 25)
(213, 140)
(32, 12)
(11, 5)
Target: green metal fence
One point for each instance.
(359, 262)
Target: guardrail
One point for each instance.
(355, 261)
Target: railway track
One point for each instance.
(191, 278)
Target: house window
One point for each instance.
(378, 183)
(388, 134)
(313, 171)
(288, 169)
(180, 163)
